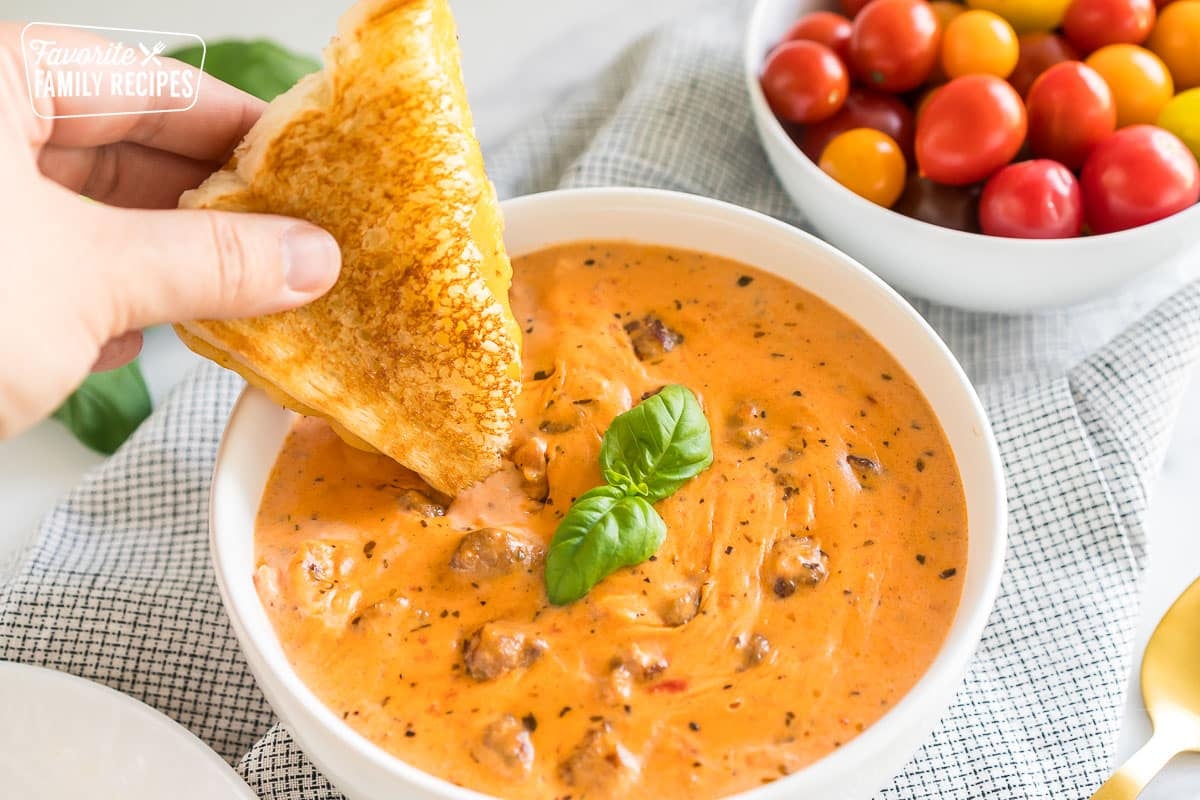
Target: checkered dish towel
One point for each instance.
(118, 587)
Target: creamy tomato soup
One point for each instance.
(807, 580)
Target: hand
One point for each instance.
(83, 278)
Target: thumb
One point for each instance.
(180, 265)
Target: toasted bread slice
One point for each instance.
(414, 352)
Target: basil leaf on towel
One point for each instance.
(107, 407)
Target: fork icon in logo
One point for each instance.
(151, 55)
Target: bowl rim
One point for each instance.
(770, 125)
(948, 665)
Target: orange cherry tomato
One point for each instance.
(1176, 40)
(1039, 52)
(970, 128)
(979, 42)
(867, 162)
(1140, 81)
(1071, 110)
(1091, 24)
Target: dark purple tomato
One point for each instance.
(954, 207)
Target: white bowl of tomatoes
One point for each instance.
(999, 155)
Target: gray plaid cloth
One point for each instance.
(118, 586)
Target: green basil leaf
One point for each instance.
(658, 445)
(107, 408)
(259, 67)
(605, 530)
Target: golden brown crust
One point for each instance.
(414, 352)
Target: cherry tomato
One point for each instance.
(1139, 80)
(852, 7)
(1032, 200)
(970, 128)
(1091, 24)
(868, 163)
(945, 11)
(1176, 40)
(824, 27)
(954, 207)
(804, 82)
(979, 42)
(864, 108)
(894, 44)
(1027, 16)
(1071, 110)
(1136, 176)
(1181, 116)
(1039, 52)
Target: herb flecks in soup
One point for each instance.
(808, 579)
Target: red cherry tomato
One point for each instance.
(1071, 110)
(938, 204)
(824, 27)
(852, 7)
(1032, 200)
(895, 44)
(1136, 176)
(1091, 24)
(863, 109)
(804, 82)
(1038, 53)
(969, 128)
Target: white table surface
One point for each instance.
(517, 55)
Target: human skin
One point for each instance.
(82, 279)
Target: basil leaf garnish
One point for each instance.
(107, 408)
(260, 67)
(658, 445)
(605, 530)
(646, 455)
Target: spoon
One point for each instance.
(1171, 689)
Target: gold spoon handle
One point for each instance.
(1132, 776)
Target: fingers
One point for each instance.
(124, 174)
(119, 351)
(208, 131)
(172, 266)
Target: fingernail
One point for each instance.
(311, 258)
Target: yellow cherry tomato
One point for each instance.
(979, 42)
(1176, 40)
(1140, 81)
(1181, 116)
(867, 162)
(1027, 16)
